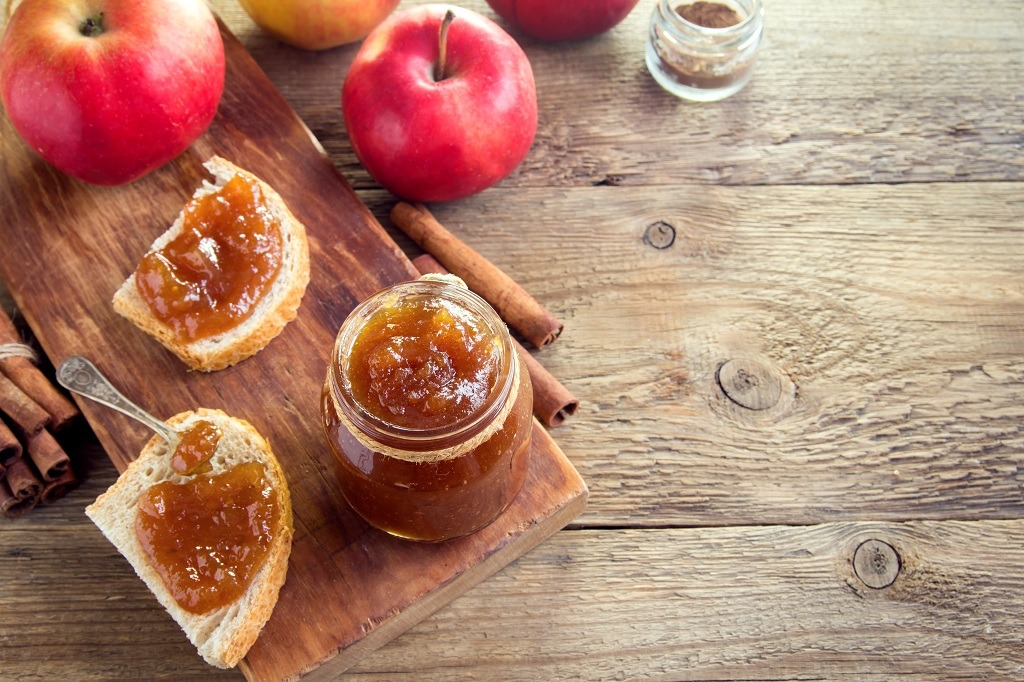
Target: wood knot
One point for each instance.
(876, 563)
(609, 181)
(660, 235)
(750, 384)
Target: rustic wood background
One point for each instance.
(847, 233)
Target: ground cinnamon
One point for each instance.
(709, 14)
(704, 51)
(519, 309)
(552, 402)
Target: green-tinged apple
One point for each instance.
(562, 19)
(439, 113)
(318, 24)
(108, 90)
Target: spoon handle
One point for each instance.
(81, 376)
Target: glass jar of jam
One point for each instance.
(428, 411)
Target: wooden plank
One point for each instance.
(68, 246)
(755, 603)
(762, 603)
(892, 315)
(843, 93)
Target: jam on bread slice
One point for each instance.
(222, 621)
(227, 276)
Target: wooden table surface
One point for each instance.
(795, 320)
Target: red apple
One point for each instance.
(437, 128)
(108, 90)
(562, 19)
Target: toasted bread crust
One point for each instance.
(225, 635)
(266, 322)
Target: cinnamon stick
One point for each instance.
(49, 457)
(11, 506)
(21, 479)
(10, 446)
(58, 488)
(552, 402)
(20, 408)
(32, 382)
(521, 311)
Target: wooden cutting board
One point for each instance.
(66, 246)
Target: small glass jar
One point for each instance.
(703, 64)
(436, 483)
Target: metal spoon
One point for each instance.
(81, 376)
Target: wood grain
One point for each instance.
(753, 603)
(891, 316)
(887, 298)
(740, 603)
(68, 246)
(861, 92)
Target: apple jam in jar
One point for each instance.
(428, 411)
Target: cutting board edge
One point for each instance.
(335, 664)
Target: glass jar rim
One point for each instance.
(404, 438)
(754, 16)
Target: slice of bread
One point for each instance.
(223, 635)
(276, 309)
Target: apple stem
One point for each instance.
(92, 26)
(442, 42)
